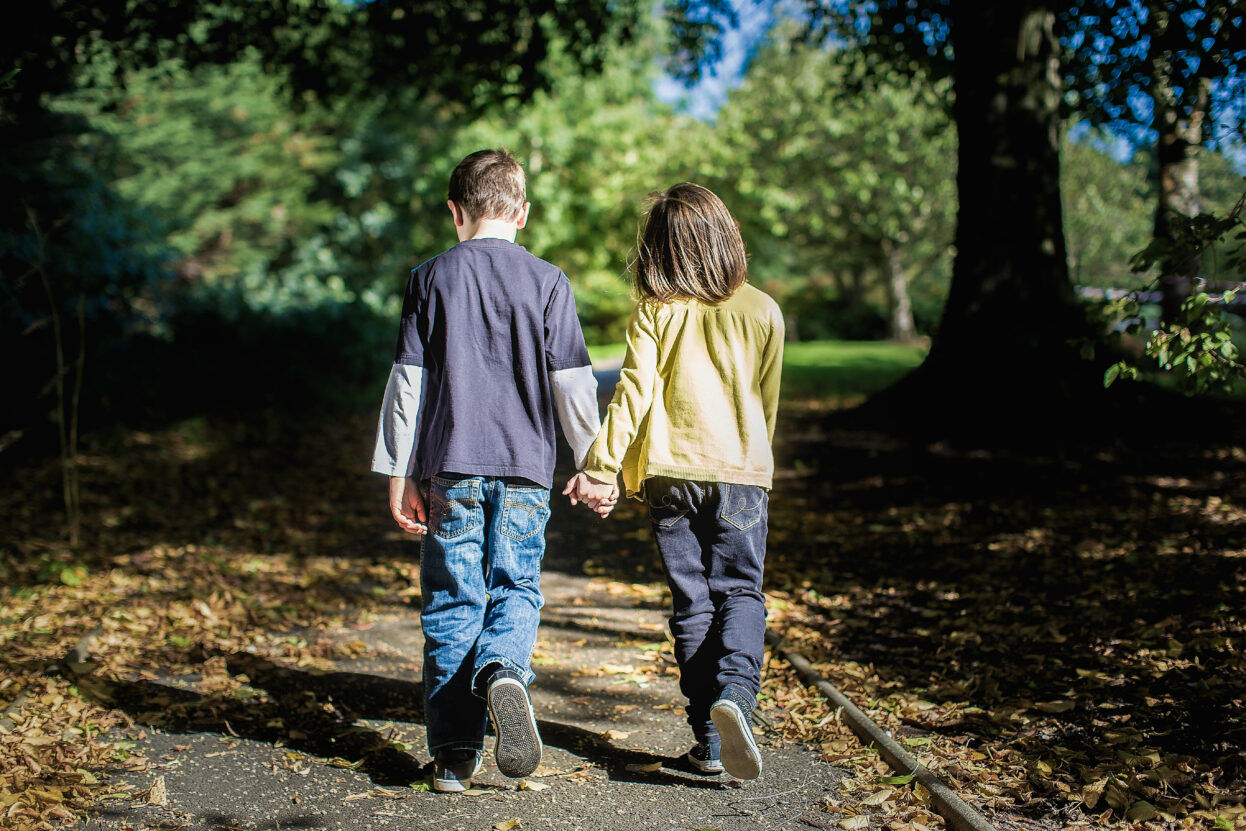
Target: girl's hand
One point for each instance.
(605, 506)
(601, 497)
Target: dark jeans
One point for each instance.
(712, 538)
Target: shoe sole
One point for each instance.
(457, 785)
(706, 768)
(739, 754)
(518, 748)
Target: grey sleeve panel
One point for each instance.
(575, 400)
(397, 430)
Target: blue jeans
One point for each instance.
(712, 538)
(480, 581)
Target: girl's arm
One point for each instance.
(632, 398)
(771, 370)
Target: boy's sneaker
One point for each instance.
(518, 749)
(730, 714)
(704, 759)
(453, 770)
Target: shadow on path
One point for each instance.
(319, 713)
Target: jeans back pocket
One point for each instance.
(454, 507)
(665, 507)
(742, 506)
(525, 511)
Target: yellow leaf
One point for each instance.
(618, 669)
(1141, 811)
(878, 798)
(647, 767)
(1055, 706)
(507, 825)
(158, 793)
(525, 785)
(855, 823)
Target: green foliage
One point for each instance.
(217, 153)
(827, 180)
(1197, 349)
(471, 51)
(1108, 212)
(1113, 49)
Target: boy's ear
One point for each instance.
(456, 211)
(523, 216)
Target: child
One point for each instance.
(690, 428)
(488, 349)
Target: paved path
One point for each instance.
(609, 711)
(606, 697)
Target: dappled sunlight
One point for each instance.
(1056, 637)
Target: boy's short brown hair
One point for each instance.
(690, 247)
(489, 184)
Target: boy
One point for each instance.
(489, 348)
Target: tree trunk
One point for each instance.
(1177, 170)
(900, 310)
(1010, 291)
(1002, 355)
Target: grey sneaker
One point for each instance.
(730, 714)
(704, 759)
(453, 770)
(518, 749)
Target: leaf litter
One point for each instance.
(1065, 652)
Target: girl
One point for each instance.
(690, 428)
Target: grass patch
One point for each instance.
(827, 368)
(606, 352)
(846, 369)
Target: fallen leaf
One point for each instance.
(158, 793)
(878, 798)
(526, 785)
(618, 669)
(1141, 811)
(507, 825)
(646, 767)
(1055, 706)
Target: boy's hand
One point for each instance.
(601, 497)
(407, 506)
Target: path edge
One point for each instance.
(959, 815)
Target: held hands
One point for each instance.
(407, 506)
(597, 495)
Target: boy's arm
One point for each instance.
(632, 399)
(571, 381)
(397, 429)
(771, 370)
(575, 399)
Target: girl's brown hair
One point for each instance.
(690, 247)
